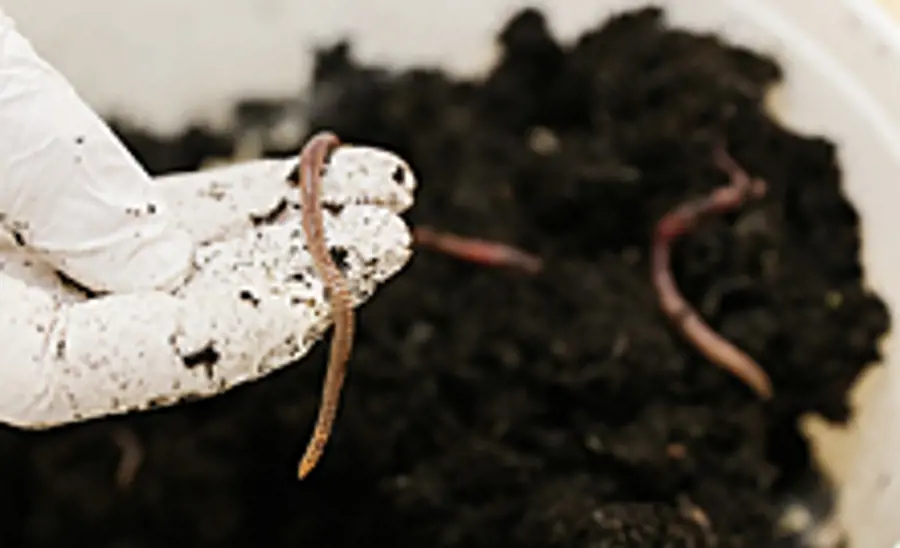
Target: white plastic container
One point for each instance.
(169, 62)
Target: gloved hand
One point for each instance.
(119, 292)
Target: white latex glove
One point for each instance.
(197, 282)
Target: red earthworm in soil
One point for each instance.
(478, 251)
(679, 222)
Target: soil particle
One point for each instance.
(493, 408)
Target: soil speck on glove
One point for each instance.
(491, 408)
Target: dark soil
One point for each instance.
(491, 408)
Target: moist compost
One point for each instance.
(490, 407)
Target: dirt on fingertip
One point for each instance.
(490, 407)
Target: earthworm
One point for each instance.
(478, 251)
(680, 221)
(312, 159)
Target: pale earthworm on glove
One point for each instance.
(312, 162)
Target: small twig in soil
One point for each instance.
(698, 516)
(482, 252)
(679, 222)
(312, 159)
(131, 458)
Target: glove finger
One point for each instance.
(254, 304)
(222, 202)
